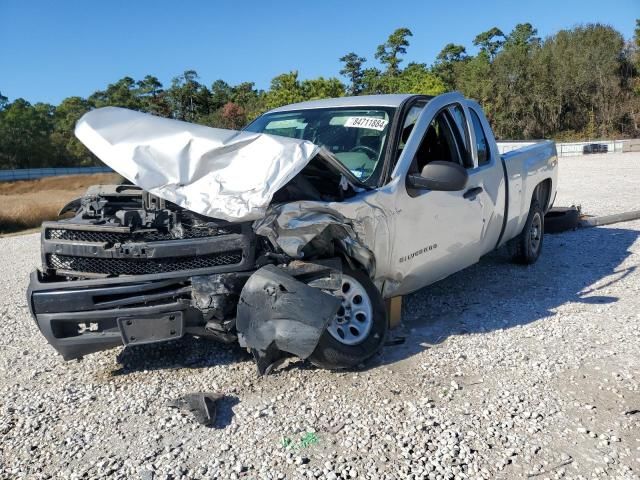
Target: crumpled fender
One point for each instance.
(277, 313)
(361, 226)
(292, 226)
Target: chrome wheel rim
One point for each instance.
(354, 318)
(535, 236)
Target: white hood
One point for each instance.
(218, 173)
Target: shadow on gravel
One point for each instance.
(187, 352)
(224, 413)
(496, 294)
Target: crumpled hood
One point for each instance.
(218, 173)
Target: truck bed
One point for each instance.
(525, 168)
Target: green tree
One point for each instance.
(233, 106)
(123, 93)
(152, 96)
(187, 98)
(321, 87)
(513, 83)
(417, 78)
(352, 69)
(221, 94)
(446, 62)
(389, 52)
(490, 41)
(474, 79)
(585, 63)
(523, 35)
(373, 81)
(249, 98)
(24, 135)
(285, 89)
(70, 150)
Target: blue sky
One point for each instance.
(53, 49)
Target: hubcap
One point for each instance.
(354, 318)
(536, 232)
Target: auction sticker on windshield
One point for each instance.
(366, 122)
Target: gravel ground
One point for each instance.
(603, 184)
(506, 372)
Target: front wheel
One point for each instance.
(359, 328)
(527, 246)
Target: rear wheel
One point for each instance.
(527, 246)
(359, 328)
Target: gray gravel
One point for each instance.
(506, 372)
(603, 184)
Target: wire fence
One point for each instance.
(34, 173)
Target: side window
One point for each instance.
(458, 117)
(409, 122)
(439, 143)
(482, 145)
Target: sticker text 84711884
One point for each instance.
(366, 122)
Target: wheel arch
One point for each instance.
(542, 194)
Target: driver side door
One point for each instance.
(438, 232)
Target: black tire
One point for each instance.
(561, 219)
(527, 247)
(332, 354)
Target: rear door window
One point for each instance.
(482, 145)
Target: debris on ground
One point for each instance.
(201, 405)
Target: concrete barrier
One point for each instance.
(587, 222)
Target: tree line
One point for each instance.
(578, 83)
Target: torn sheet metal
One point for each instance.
(325, 274)
(359, 231)
(216, 295)
(218, 173)
(278, 313)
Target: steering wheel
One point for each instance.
(366, 149)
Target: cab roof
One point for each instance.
(388, 100)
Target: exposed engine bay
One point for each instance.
(124, 230)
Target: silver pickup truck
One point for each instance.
(289, 235)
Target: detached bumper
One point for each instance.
(82, 317)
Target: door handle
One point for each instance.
(472, 193)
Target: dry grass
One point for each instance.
(26, 204)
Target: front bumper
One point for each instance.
(87, 316)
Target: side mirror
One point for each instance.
(440, 175)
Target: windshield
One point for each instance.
(356, 136)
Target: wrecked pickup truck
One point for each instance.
(289, 235)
